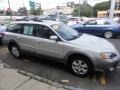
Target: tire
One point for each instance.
(108, 34)
(15, 51)
(80, 66)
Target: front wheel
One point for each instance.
(108, 34)
(80, 66)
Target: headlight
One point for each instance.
(107, 55)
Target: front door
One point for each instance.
(90, 27)
(46, 46)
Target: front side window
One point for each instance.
(15, 28)
(92, 22)
(44, 31)
(65, 31)
(29, 30)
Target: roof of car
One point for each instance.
(46, 23)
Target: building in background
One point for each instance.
(85, 2)
(70, 4)
(106, 13)
(66, 9)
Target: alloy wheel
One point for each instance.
(79, 67)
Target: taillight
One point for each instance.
(2, 34)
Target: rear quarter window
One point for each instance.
(15, 28)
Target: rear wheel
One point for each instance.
(15, 51)
(108, 34)
(80, 66)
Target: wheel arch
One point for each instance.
(69, 55)
(12, 42)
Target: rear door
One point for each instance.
(28, 38)
(96, 27)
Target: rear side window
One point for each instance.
(15, 28)
(73, 19)
(103, 22)
(29, 30)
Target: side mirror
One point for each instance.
(54, 38)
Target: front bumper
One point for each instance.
(103, 65)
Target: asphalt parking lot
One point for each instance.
(58, 72)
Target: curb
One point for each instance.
(39, 78)
(50, 82)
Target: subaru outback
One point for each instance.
(82, 53)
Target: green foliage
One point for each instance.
(22, 11)
(8, 12)
(101, 6)
(85, 10)
(37, 11)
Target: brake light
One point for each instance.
(2, 34)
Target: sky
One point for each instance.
(46, 4)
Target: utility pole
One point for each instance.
(10, 9)
(112, 7)
(58, 13)
(23, 3)
(117, 7)
(79, 8)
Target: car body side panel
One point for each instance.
(98, 29)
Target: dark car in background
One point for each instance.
(2, 32)
(54, 17)
(99, 27)
(29, 18)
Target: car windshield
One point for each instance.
(66, 32)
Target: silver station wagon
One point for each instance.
(82, 53)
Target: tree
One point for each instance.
(101, 6)
(37, 11)
(8, 11)
(85, 10)
(22, 11)
(1, 12)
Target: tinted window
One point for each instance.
(44, 31)
(93, 22)
(15, 28)
(29, 30)
(103, 22)
(65, 31)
